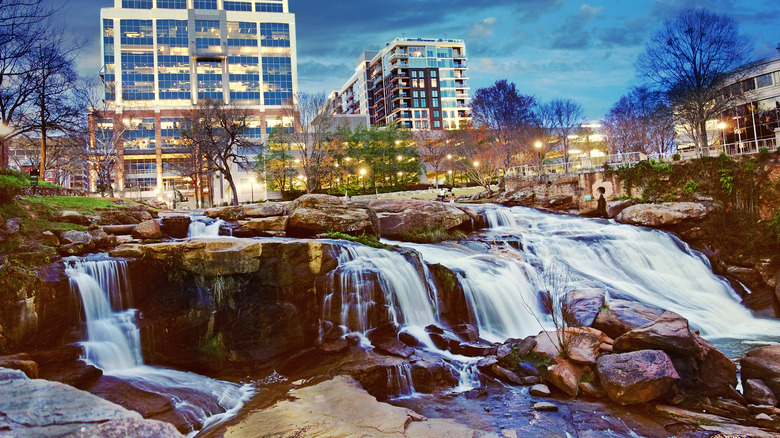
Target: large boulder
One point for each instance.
(148, 230)
(762, 363)
(73, 242)
(311, 215)
(32, 407)
(584, 306)
(74, 217)
(400, 216)
(226, 213)
(176, 226)
(757, 393)
(669, 332)
(662, 215)
(615, 207)
(636, 377)
(621, 316)
(523, 198)
(564, 375)
(703, 369)
(101, 239)
(273, 226)
(579, 345)
(266, 209)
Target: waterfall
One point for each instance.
(113, 345)
(399, 381)
(500, 217)
(500, 292)
(201, 226)
(649, 266)
(373, 286)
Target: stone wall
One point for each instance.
(583, 188)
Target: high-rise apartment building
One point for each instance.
(415, 82)
(160, 57)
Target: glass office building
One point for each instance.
(160, 57)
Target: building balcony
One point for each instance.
(398, 76)
(400, 96)
(460, 65)
(400, 65)
(462, 95)
(399, 54)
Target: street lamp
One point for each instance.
(362, 174)
(538, 146)
(722, 126)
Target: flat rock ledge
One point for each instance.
(340, 407)
(40, 408)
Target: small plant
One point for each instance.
(726, 180)
(763, 150)
(214, 347)
(364, 239)
(676, 157)
(691, 187)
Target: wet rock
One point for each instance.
(669, 332)
(591, 390)
(445, 341)
(22, 363)
(485, 364)
(764, 420)
(117, 217)
(516, 348)
(75, 242)
(338, 346)
(434, 329)
(49, 239)
(225, 213)
(431, 373)
(271, 226)
(101, 239)
(77, 373)
(636, 377)
(339, 407)
(615, 207)
(506, 375)
(531, 380)
(734, 408)
(763, 363)
(73, 217)
(408, 339)
(477, 393)
(539, 391)
(266, 209)
(763, 409)
(473, 350)
(148, 230)
(127, 427)
(141, 215)
(41, 408)
(545, 407)
(119, 230)
(563, 375)
(468, 332)
(661, 215)
(581, 345)
(623, 316)
(400, 216)
(394, 347)
(523, 198)
(526, 369)
(177, 227)
(311, 215)
(585, 305)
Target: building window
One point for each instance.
(210, 80)
(274, 34)
(136, 33)
(237, 6)
(269, 7)
(172, 4)
(137, 4)
(138, 76)
(277, 79)
(436, 124)
(764, 80)
(205, 4)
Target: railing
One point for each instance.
(560, 169)
(737, 148)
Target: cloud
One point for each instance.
(575, 32)
(484, 28)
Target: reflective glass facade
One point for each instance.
(109, 74)
(172, 4)
(139, 134)
(205, 4)
(137, 4)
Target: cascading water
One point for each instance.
(650, 266)
(373, 286)
(113, 344)
(201, 226)
(502, 299)
(399, 381)
(500, 217)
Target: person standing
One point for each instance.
(601, 207)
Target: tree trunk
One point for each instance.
(702, 137)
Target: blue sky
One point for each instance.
(549, 48)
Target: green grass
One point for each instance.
(431, 234)
(364, 239)
(81, 204)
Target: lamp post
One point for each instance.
(449, 171)
(722, 126)
(538, 146)
(362, 175)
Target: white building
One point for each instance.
(160, 57)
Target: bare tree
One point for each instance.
(565, 115)
(312, 131)
(433, 149)
(216, 131)
(691, 60)
(505, 112)
(640, 121)
(479, 159)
